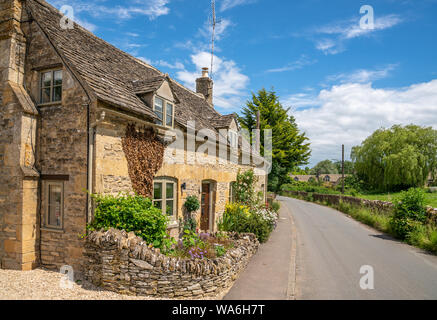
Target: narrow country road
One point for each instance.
(332, 247)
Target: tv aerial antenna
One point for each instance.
(214, 22)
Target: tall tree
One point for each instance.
(397, 158)
(289, 147)
(324, 167)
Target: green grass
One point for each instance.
(430, 198)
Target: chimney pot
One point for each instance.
(205, 72)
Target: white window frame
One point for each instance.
(164, 199)
(164, 110)
(47, 184)
(52, 86)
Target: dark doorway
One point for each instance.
(205, 207)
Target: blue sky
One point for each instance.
(342, 82)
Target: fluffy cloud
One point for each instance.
(362, 75)
(229, 83)
(335, 35)
(350, 112)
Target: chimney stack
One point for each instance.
(204, 85)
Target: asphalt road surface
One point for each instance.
(332, 248)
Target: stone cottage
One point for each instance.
(78, 114)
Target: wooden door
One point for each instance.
(204, 217)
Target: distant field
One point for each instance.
(430, 198)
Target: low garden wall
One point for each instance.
(124, 263)
(378, 205)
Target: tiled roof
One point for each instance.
(115, 76)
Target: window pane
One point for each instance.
(157, 190)
(55, 202)
(169, 116)
(46, 79)
(45, 95)
(57, 81)
(159, 115)
(57, 93)
(169, 194)
(159, 104)
(158, 204)
(169, 207)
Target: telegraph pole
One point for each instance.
(342, 168)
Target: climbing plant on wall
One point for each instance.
(144, 154)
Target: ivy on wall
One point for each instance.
(145, 155)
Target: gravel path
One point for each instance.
(42, 284)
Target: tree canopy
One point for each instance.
(289, 147)
(397, 158)
(324, 167)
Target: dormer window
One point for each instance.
(51, 86)
(164, 111)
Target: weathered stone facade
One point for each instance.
(112, 177)
(70, 143)
(123, 263)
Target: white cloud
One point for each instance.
(350, 112)
(149, 8)
(295, 65)
(221, 26)
(229, 83)
(342, 31)
(362, 75)
(229, 4)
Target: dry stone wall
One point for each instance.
(378, 205)
(124, 263)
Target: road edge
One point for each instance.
(291, 289)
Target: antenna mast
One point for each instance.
(213, 22)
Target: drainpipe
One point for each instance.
(91, 145)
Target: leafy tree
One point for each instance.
(348, 166)
(290, 148)
(324, 167)
(397, 158)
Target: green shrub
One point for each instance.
(241, 219)
(131, 213)
(409, 212)
(276, 205)
(192, 204)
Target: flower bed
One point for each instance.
(124, 263)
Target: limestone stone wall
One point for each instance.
(62, 152)
(123, 263)
(112, 177)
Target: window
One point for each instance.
(327, 178)
(233, 139)
(164, 111)
(164, 196)
(232, 192)
(54, 204)
(51, 86)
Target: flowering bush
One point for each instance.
(242, 219)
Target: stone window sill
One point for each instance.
(52, 230)
(173, 225)
(50, 104)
